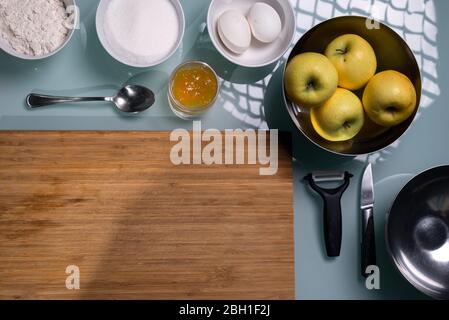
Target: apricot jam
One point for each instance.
(194, 85)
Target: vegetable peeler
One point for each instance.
(332, 206)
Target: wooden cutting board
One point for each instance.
(137, 226)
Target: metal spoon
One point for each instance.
(129, 99)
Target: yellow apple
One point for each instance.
(310, 79)
(340, 118)
(355, 60)
(389, 98)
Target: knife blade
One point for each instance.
(368, 252)
(367, 198)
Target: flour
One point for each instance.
(142, 31)
(33, 27)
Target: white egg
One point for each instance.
(234, 31)
(265, 22)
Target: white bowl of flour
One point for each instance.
(36, 29)
(140, 33)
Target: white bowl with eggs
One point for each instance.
(72, 20)
(251, 33)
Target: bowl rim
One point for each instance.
(214, 39)
(4, 46)
(403, 271)
(107, 48)
(288, 102)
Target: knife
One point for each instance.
(368, 236)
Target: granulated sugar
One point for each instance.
(142, 31)
(33, 27)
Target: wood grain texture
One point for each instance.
(137, 226)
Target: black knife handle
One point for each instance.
(332, 224)
(368, 241)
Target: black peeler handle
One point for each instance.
(331, 213)
(332, 224)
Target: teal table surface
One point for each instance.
(252, 98)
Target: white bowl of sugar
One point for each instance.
(140, 33)
(37, 29)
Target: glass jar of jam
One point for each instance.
(193, 89)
